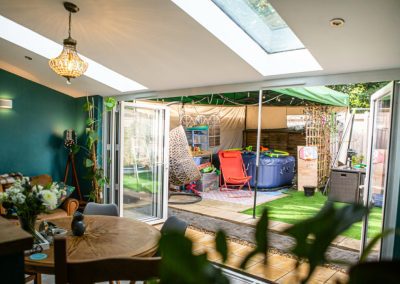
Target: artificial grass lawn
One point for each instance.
(296, 207)
(144, 184)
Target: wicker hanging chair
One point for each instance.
(182, 169)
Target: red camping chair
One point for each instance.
(233, 171)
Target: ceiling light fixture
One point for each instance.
(68, 64)
(337, 22)
(36, 43)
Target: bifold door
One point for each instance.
(143, 161)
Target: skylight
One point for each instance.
(47, 48)
(262, 23)
(223, 27)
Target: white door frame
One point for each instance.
(391, 192)
(164, 196)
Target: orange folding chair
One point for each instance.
(233, 171)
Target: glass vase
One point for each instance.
(27, 223)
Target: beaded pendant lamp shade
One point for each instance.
(68, 64)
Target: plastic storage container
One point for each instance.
(208, 181)
(272, 172)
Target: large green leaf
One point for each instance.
(180, 266)
(374, 241)
(261, 238)
(314, 235)
(221, 245)
(88, 163)
(110, 103)
(87, 106)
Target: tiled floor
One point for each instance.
(231, 212)
(280, 268)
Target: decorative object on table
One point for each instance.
(49, 230)
(70, 144)
(78, 226)
(68, 64)
(38, 256)
(309, 190)
(29, 201)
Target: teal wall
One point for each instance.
(31, 134)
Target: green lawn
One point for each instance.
(296, 207)
(144, 184)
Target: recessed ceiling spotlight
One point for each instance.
(337, 22)
(28, 57)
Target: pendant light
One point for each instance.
(68, 64)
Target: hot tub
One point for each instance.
(272, 172)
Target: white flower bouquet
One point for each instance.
(28, 201)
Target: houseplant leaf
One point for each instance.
(221, 245)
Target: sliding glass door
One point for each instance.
(143, 161)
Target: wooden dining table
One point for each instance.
(105, 236)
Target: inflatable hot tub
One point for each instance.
(272, 172)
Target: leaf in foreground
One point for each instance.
(314, 235)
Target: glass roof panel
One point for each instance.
(262, 23)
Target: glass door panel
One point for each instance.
(378, 157)
(143, 161)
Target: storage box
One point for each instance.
(208, 181)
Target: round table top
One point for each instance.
(105, 236)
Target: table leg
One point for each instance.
(38, 279)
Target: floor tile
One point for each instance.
(338, 276)
(267, 272)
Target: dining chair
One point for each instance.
(100, 270)
(93, 208)
(174, 224)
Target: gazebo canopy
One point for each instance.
(280, 97)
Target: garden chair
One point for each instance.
(233, 173)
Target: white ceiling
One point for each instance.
(158, 45)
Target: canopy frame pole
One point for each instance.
(260, 97)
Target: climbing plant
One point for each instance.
(95, 172)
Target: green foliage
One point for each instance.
(221, 245)
(359, 94)
(180, 266)
(95, 173)
(261, 239)
(314, 235)
(110, 103)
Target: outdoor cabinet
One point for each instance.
(345, 185)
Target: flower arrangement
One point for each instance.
(28, 200)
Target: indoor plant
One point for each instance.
(28, 201)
